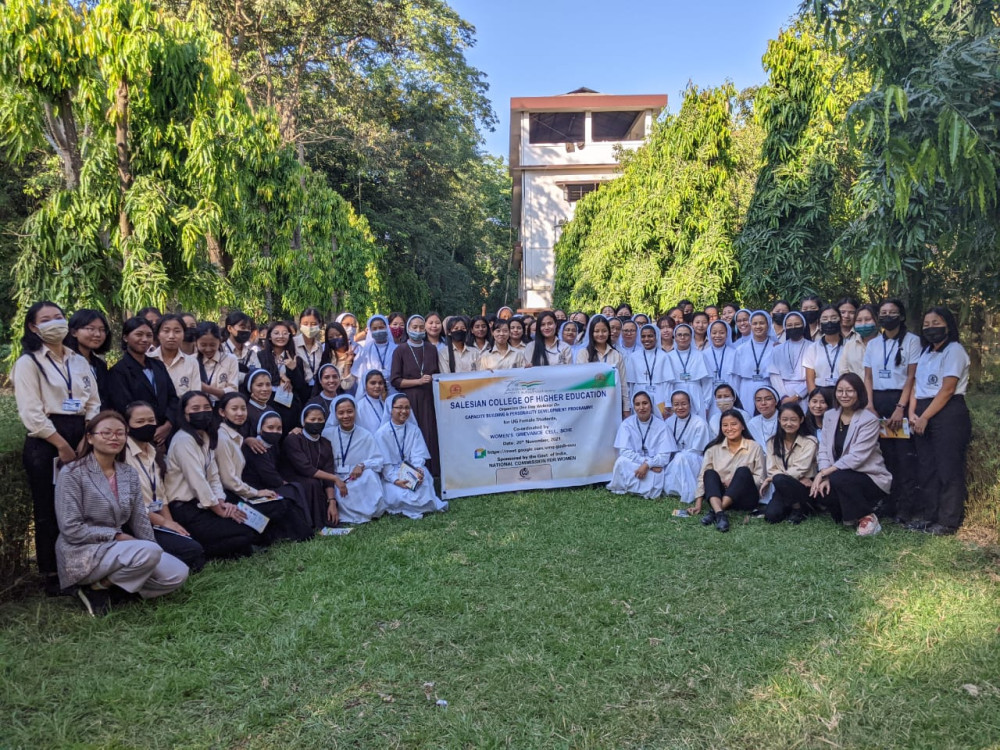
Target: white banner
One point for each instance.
(527, 429)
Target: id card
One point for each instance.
(885, 374)
(283, 397)
(760, 378)
(72, 405)
(685, 376)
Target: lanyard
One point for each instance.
(205, 377)
(786, 456)
(643, 437)
(836, 356)
(719, 365)
(684, 363)
(381, 355)
(887, 354)
(343, 451)
(67, 376)
(400, 445)
(757, 360)
(677, 438)
(149, 476)
(794, 366)
(419, 363)
(312, 359)
(378, 414)
(649, 372)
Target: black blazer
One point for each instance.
(128, 383)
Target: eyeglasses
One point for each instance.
(110, 434)
(95, 331)
(401, 408)
(845, 393)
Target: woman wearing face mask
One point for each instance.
(819, 402)
(141, 455)
(823, 358)
(732, 472)
(377, 351)
(358, 465)
(90, 337)
(779, 310)
(190, 333)
(350, 324)
(666, 326)
(865, 331)
(741, 323)
(648, 370)
(192, 485)
(753, 359)
(547, 349)
(308, 345)
(182, 367)
(644, 448)
(413, 366)
(403, 449)
(687, 310)
(458, 356)
(219, 371)
(691, 434)
(397, 327)
(56, 393)
(791, 466)
(852, 475)
(599, 349)
(788, 372)
(810, 309)
(941, 423)
(890, 369)
(688, 370)
(308, 460)
(339, 352)
(239, 330)
(724, 398)
(138, 377)
(501, 356)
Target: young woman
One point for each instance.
(192, 485)
(138, 377)
(712, 311)
(865, 331)
(764, 423)
(560, 316)
(689, 372)
(720, 355)
(183, 367)
(852, 475)
(376, 353)
(788, 372)
(218, 370)
(56, 393)
(328, 387)
(666, 325)
(741, 325)
(729, 311)
(687, 309)
(599, 349)
(648, 370)
(339, 351)
(941, 423)
(753, 358)
(890, 365)
(501, 356)
(434, 328)
(350, 323)
(261, 398)
(818, 402)
(791, 466)
(779, 310)
(97, 498)
(724, 398)
(286, 368)
(307, 343)
(644, 448)
(547, 349)
(372, 411)
(397, 327)
(608, 312)
(810, 309)
(399, 443)
(358, 463)
(481, 340)
(458, 356)
(569, 334)
(517, 335)
(413, 366)
(699, 325)
(629, 338)
(89, 336)
(848, 308)
(624, 310)
(691, 434)
(615, 324)
(309, 463)
(732, 472)
(141, 455)
(823, 359)
(151, 315)
(239, 331)
(190, 323)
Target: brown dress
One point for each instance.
(411, 363)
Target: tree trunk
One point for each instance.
(61, 133)
(124, 160)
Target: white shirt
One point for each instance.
(824, 360)
(933, 367)
(880, 358)
(788, 368)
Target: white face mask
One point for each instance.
(310, 332)
(352, 331)
(53, 331)
(725, 403)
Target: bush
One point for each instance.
(983, 464)
(15, 524)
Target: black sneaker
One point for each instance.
(939, 530)
(918, 525)
(757, 512)
(97, 602)
(708, 519)
(721, 522)
(796, 518)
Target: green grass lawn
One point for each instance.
(547, 619)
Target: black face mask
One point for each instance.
(459, 336)
(830, 327)
(689, 317)
(271, 438)
(142, 434)
(314, 428)
(889, 322)
(811, 316)
(936, 334)
(337, 343)
(778, 318)
(190, 335)
(795, 334)
(202, 420)
(242, 337)
(232, 424)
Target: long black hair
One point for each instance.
(737, 403)
(31, 341)
(540, 357)
(525, 336)
(592, 355)
(133, 324)
(902, 330)
(81, 319)
(489, 332)
(721, 438)
(827, 397)
(452, 322)
(949, 320)
(329, 351)
(805, 430)
(840, 321)
(183, 425)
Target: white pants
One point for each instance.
(140, 566)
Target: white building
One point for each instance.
(561, 148)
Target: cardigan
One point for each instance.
(861, 447)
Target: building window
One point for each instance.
(556, 127)
(577, 190)
(618, 126)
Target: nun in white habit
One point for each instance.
(753, 362)
(375, 353)
(648, 369)
(400, 441)
(644, 449)
(358, 462)
(690, 373)
(691, 434)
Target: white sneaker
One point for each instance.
(869, 525)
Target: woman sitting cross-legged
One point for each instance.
(852, 475)
(732, 471)
(403, 448)
(791, 465)
(644, 448)
(358, 462)
(105, 538)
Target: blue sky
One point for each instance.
(547, 47)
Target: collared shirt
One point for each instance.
(933, 367)
(231, 462)
(799, 462)
(42, 386)
(192, 473)
(494, 360)
(880, 357)
(183, 370)
(718, 457)
(311, 356)
(466, 360)
(144, 463)
(825, 360)
(221, 371)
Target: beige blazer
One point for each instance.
(861, 449)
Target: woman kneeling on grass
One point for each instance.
(732, 471)
(105, 538)
(644, 448)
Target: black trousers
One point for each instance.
(941, 454)
(853, 495)
(220, 537)
(37, 457)
(900, 459)
(184, 548)
(287, 521)
(741, 490)
(788, 492)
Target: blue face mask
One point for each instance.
(380, 337)
(416, 335)
(866, 329)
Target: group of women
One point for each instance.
(143, 470)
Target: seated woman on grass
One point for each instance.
(644, 449)
(732, 471)
(357, 462)
(690, 433)
(791, 466)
